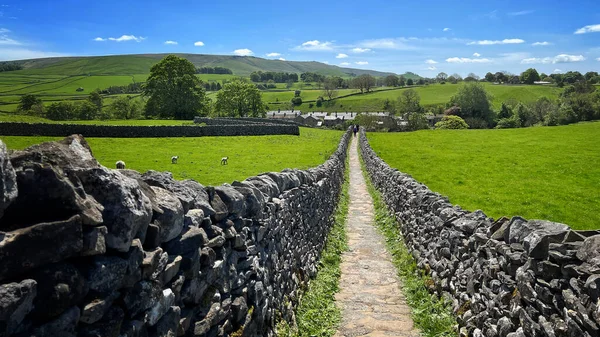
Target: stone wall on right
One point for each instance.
(509, 277)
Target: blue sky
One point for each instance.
(424, 37)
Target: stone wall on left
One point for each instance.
(90, 251)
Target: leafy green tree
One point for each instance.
(489, 77)
(125, 108)
(524, 115)
(87, 110)
(174, 91)
(391, 81)
(410, 82)
(401, 81)
(27, 102)
(474, 102)
(297, 100)
(441, 77)
(330, 87)
(452, 123)
(95, 98)
(417, 121)
(409, 101)
(529, 76)
(505, 111)
(500, 77)
(363, 82)
(61, 111)
(240, 99)
(590, 74)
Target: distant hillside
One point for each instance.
(140, 64)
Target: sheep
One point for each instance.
(174, 159)
(224, 160)
(120, 165)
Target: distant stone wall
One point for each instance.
(509, 277)
(90, 251)
(130, 131)
(241, 121)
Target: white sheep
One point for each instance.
(120, 165)
(224, 160)
(174, 159)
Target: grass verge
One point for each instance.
(432, 315)
(317, 314)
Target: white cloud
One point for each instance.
(545, 43)
(4, 31)
(467, 60)
(315, 45)
(23, 54)
(476, 54)
(557, 70)
(588, 29)
(341, 56)
(362, 63)
(492, 42)
(198, 43)
(430, 62)
(562, 58)
(281, 59)
(124, 38)
(361, 50)
(273, 54)
(243, 52)
(99, 39)
(446, 29)
(520, 13)
(5, 40)
(431, 68)
(171, 42)
(398, 44)
(326, 62)
(598, 59)
(345, 64)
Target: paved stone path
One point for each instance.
(370, 297)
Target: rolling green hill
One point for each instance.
(140, 64)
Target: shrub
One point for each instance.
(319, 101)
(452, 122)
(297, 100)
(476, 123)
(87, 110)
(61, 111)
(508, 123)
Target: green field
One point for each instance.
(199, 158)
(547, 173)
(433, 95)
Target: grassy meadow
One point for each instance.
(547, 173)
(199, 158)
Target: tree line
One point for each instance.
(214, 70)
(10, 66)
(276, 77)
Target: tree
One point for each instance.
(590, 75)
(61, 111)
(95, 98)
(363, 82)
(500, 77)
(240, 99)
(391, 81)
(87, 110)
(401, 81)
(417, 121)
(452, 123)
(125, 108)
(330, 87)
(473, 75)
(505, 111)
(28, 102)
(410, 82)
(452, 79)
(489, 77)
(441, 77)
(409, 101)
(457, 77)
(474, 102)
(289, 84)
(174, 91)
(529, 76)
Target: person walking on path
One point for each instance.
(355, 130)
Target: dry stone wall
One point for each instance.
(90, 251)
(509, 277)
(132, 131)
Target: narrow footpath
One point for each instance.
(370, 297)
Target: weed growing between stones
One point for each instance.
(431, 315)
(317, 314)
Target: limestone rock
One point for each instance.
(170, 219)
(127, 210)
(160, 308)
(16, 301)
(27, 248)
(8, 180)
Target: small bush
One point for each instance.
(508, 123)
(297, 100)
(452, 123)
(476, 123)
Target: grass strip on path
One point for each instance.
(431, 315)
(317, 314)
